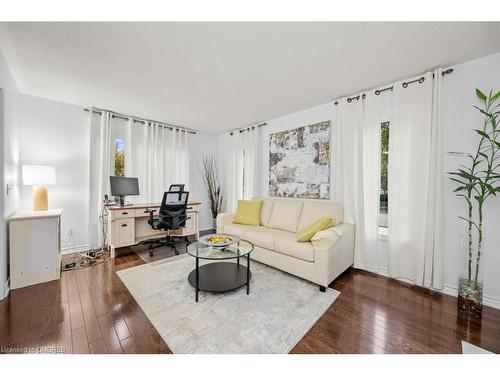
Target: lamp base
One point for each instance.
(40, 198)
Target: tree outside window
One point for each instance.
(384, 160)
(119, 157)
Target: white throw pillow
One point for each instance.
(285, 215)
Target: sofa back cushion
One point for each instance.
(265, 210)
(313, 210)
(285, 214)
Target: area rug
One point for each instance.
(468, 348)
(278, 312)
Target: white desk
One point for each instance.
(129, 225)
(35, 247)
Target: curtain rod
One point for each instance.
(405, 85)
(137, 120)
(247, 128)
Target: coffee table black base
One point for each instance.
(220, 277)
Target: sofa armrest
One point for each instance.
(223, 219)
(325, 239)
(333, 253)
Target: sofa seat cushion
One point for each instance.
(285, 214)
(286, 244)
(239, 230)
(262, 237)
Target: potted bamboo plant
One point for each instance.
(212, 184)
(477, 183)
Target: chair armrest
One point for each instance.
(324, 239)
(151, 214)
(224, 219)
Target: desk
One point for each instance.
(128, 225)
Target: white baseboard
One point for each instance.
(73, 249)
(487, 300)
(6, 288)
(447, 289)
(203, 229)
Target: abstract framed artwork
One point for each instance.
(299, 162)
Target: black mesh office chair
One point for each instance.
(172, 216)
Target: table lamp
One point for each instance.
(39, 176)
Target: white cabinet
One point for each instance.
(35, 247)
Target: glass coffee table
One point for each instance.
(220, 276)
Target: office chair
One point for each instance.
(176, 188)
(172, 216)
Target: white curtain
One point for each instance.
(101, 167)
(158, 156)
(251, 158)
(234, 170)
(415, 153)
(358, 171)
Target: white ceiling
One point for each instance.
(214, 77)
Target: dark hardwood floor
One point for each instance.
(90, 311)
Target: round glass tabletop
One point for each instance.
(236, 250)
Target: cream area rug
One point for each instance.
(277, 313)
(468, 348)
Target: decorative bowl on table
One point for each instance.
(218, 240)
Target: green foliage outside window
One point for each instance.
(119, 158)
(384, 160)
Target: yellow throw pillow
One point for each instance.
(321, 224)
(248, 212)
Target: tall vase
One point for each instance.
(470, 283)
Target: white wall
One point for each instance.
(9, 161)
(200, 145)
(57, 134)
(54, 133)
(459, 120)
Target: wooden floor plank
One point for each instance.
(91, 311)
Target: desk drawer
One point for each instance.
(141, 212)
(192, 207)
(122, 214)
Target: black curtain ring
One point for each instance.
(405, 84)
(421, 80)
(377, 92)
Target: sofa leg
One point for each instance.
(322, 288)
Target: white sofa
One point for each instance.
(320, 261)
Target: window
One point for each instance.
(119, 157)
(384, 159)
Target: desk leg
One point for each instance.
(197, 278)
(248, 273)
(112, 251)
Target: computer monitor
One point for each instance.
(123, 186)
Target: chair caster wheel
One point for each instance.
(151, 254)
(176, 252)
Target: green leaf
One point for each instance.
(478, 198)
(480, 95)
(495, 97)
(482, 133)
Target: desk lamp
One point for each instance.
(39, 176)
